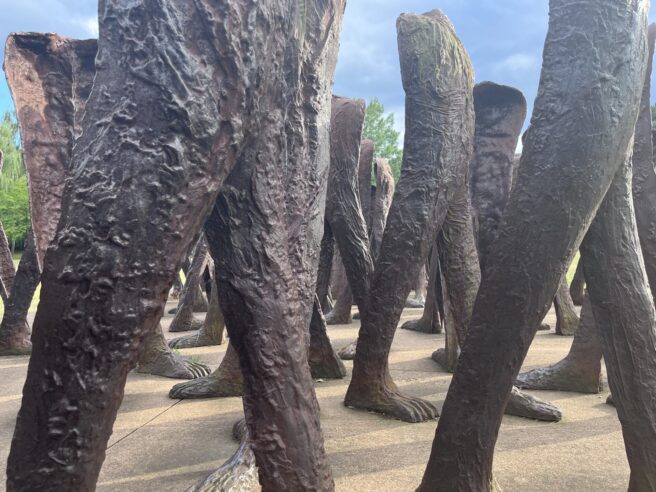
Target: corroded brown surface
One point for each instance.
(14, 329)
(624, 314)
(225, 381)
(158, 359)
(161, 133)
(580, 371)
(341, 312)
(459, 259)
(211, 333)
(622, 302)
(324, 362)
(381, 203)
(264, 235)
(438, 81)
(365, 174)
(644, 177)
(577, 288)
(50, 77)
(343, 209)
(239, 473)
(39, 70)
(184, 316)
(431, 319)
(567, 321)
(577, 142)
(500, 114)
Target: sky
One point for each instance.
(504, 39)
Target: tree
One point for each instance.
(379, 127)
(14, 201)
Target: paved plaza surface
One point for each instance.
(161, 444)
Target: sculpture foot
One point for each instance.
(239, 473)
(563, 376)
(441, 357)
(524, 405)
(348, 352)
(544, 327)
(420, 325)
(200, 339)
(216, 385)
(191, 325)
(173, 311)
(21, 346)
(171, 365)
(333, 318)
(325, 364)
(356, 316)
(414, 303)
(610, 401)
(390, 402)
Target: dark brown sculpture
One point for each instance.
(47, 79)
(500, 115)
(577, 287)
(34, 56)
(14, 329)
(644, 177)
(211, 333)
(239, 473)
(626, 322)
(264, 235)
(571, 155)
(184, 317)
(432, 318)
(438, 80)
(158, 359)
(343, 210)
(341, 312)
(324, 361)
(161, 133)
(381, 202)
(580, 370)
(567, 320)
(225, 381)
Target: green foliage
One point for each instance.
(15, 211)
(379, 127)
(13, 168)
(14, 200)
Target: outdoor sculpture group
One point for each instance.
(230, 167)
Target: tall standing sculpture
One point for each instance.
(438, 80)
(172, 102)
(580, 370)
(578, 140)
(51, 79)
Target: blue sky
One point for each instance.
(504, 39)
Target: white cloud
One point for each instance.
(90, 25)
(519, 62)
